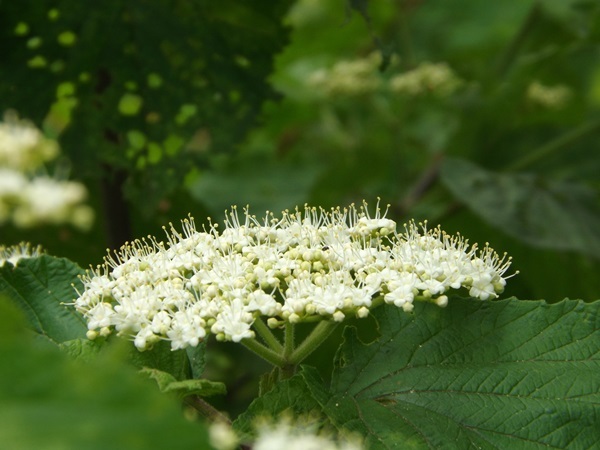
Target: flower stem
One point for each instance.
(267, 335)
(516, 44)
(288, 340)
(264, 352)
(207, 411)
(312, 341)
(555, 145)
(288, 370)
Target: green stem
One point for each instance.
(288, 340)
(267, 335)
(207, 411)
(264, 352)
(312, 341)
(288, 370)
(555, 145)
(513, 49)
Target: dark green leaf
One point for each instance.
(197, 358)
(540, 211)
(167, 383)
(162, 358)
(492, 375)
(40, 286)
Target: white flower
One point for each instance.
(234, 321)
(306, 265)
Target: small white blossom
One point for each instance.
(304, 266)
(14, 253)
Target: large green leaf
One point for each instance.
(491, 375)
(39, 286)
(540, 211)
(49, 401)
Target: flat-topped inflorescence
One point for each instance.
(306, 266)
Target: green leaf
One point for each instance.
(539, 211)
(196, 356)
(167, 383)
(40, 286)
(490, 375)
(302, 394)
(162, 358)
(50, 401)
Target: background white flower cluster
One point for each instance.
(28, 197)
(305, 266)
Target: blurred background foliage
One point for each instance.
(481, 116)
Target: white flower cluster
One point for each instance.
(15, 253)
(351, 77)
(28, 199)
(305, 266)
(551, 97)
(361, 76)
(436, 79)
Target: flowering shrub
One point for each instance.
(373, 334)
(320, 267)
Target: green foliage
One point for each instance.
(40, 287)
(49, 401)
(134, 82)
(182, 107)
